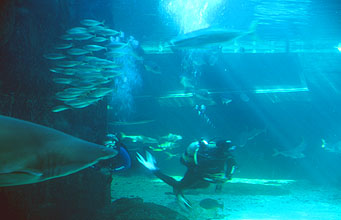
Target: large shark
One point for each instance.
(209, 37)
(31, 153)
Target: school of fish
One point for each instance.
(84, 64)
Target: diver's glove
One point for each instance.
(149, 163)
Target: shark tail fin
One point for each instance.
(276, 153)
(323, 143)
(253, 27)
(252, 30)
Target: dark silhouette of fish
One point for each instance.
(31, 153)
(294, 152)
(211, 204)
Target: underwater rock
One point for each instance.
(78, 196)
(136, 209)
(7, 21)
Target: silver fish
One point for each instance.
(83, 36)
(69, 72)
(77, 51)
(99, 39)
(108, 32)
(81, 103)
(66, 99)
(117, 45)
(105, 81)
(88, 68)
(66, 94)
(116, 53)
(87, 86)
(90, 22)
(94, 47)
(110, 66)
(63, 46)
(95, 60)
(77, 30)
(60, 108)
(100, 92)
(66, 37)
(67, 63)
(57, 70)
(77, 91)
(96, 29)
(31, 153)
(77, 104)
(62, 80)
(111, 75)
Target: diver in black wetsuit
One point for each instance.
(206, 162)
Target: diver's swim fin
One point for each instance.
(149, 163)
(183, 201)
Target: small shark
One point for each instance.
(295, 153)
(31, 153)
(171, 138)
(165, 146)
(246, 136)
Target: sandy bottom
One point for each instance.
(243, 199)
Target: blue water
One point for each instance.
(287, 117)
(265, 92)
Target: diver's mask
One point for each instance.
(203, 143)
(111, 141)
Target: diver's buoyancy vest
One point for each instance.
(210, 159)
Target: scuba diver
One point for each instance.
(122, 161)
(206, 162)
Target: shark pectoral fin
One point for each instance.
(19, 177)
(276, 153)
(28, 172)
(23, 172)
